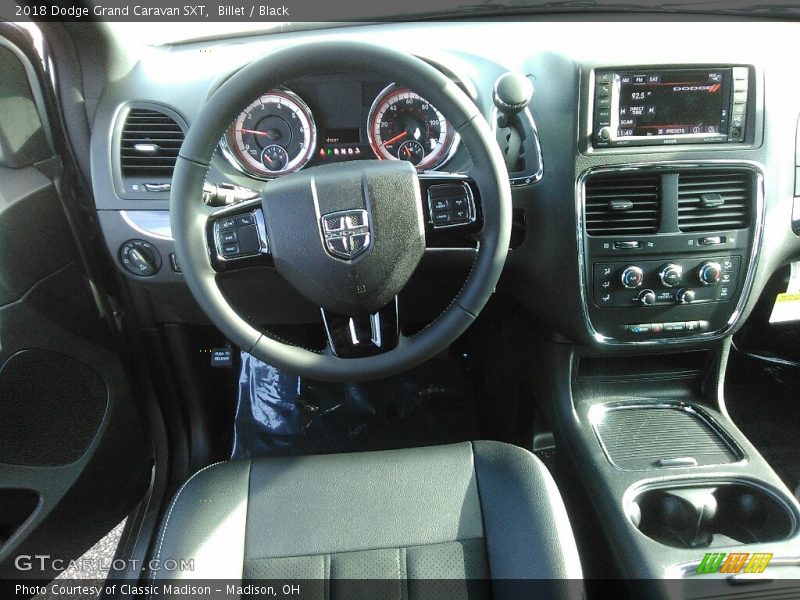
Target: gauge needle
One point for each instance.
(399, 136)
(254, 131)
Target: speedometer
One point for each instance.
(404, 126)
(273, 136)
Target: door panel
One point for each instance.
(75, 458)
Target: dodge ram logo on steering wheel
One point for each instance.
(346, 233)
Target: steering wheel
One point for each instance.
(347, 236)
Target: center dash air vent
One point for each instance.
(149, 144)
(714, 200)
(622, 204)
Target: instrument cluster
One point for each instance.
(278, 133)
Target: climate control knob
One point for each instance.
(684, 296)
(709, 272)
(670, 274)
(632, 277)
(647, 297)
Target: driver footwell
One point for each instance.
(279, 414)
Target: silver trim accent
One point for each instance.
(597, 411)
(231, 157)
(531, 178)
(150, 223)
(755, 250)
(346, 232)
(456, 140)
(670, 267)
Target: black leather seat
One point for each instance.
(469, 512)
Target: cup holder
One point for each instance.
(712, 514)
(16, 506)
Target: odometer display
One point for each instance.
(404, 126)
(273, 136)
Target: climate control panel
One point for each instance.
(645, 283)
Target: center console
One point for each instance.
(669, 205)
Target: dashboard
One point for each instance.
(660, 204)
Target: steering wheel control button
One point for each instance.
(685, 296)
(228, 237)
(140, 258)
(441, 217)
(647, 297)
(230, 250)
(243, 220)
(632, 277)
(709, 272)
(450, 204)
(239, 235)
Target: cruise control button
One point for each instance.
(440, 204)
(460, 215)
(457, 203)
(441, 217)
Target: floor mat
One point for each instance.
(764, 402)
(279, 414)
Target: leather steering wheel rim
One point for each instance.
(189, 215)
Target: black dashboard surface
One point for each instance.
(543, 272)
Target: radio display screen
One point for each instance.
(673, 102)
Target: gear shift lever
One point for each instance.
(514, 128)
(512, 94)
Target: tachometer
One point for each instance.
(273, 136)
(404, 126)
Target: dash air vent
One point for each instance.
(714, 200)
(149, 144)
(622, 204)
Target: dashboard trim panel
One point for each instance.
(755, 250)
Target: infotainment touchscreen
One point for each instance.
(672, 102)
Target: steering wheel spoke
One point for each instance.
(367, 335)
(451, 203)
(237, 236)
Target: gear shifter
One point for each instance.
(515, 129)
(512, 94)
